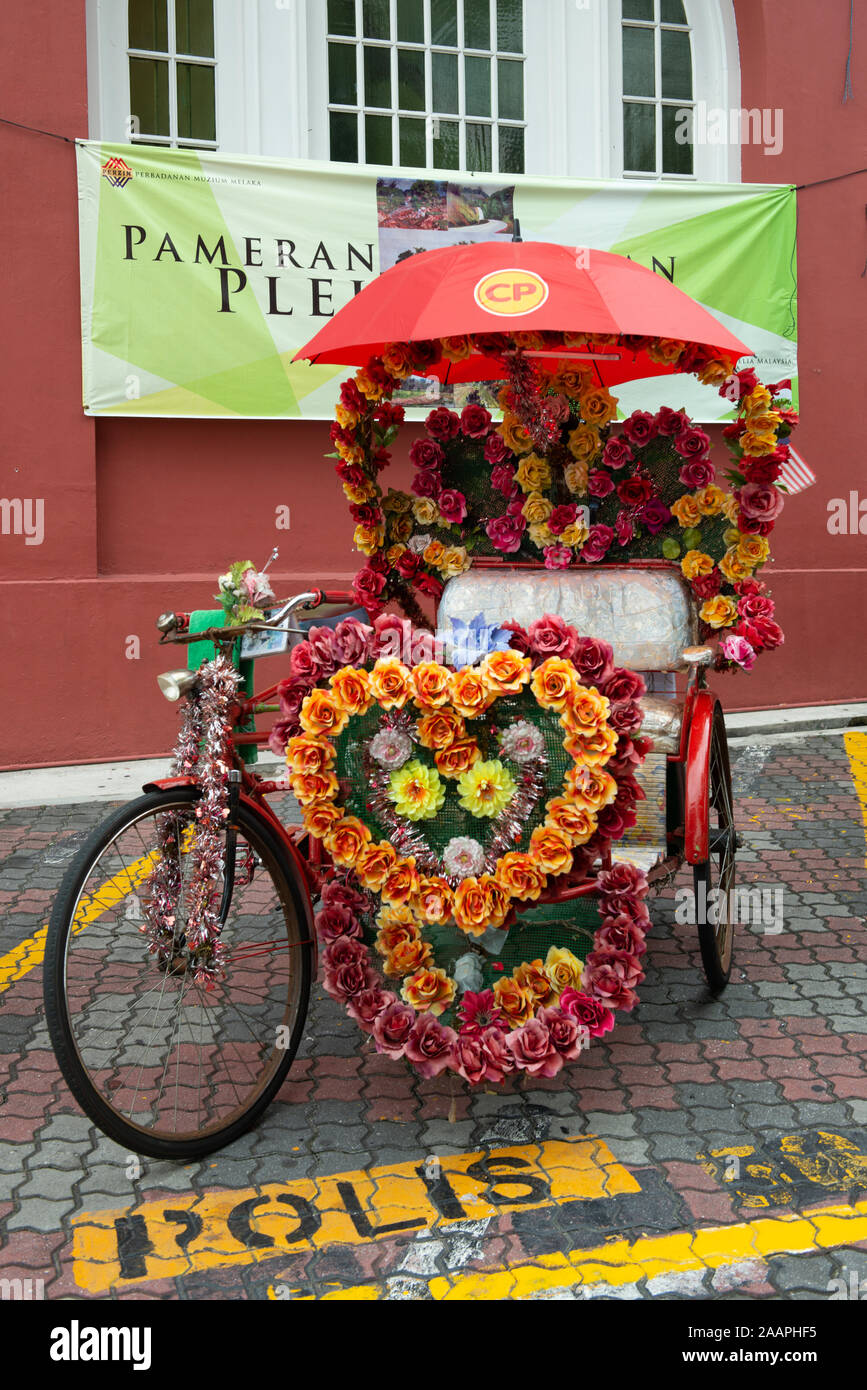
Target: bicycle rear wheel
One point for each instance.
(715, 878)
(161, 1065)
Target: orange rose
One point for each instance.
(505, 673)
(480, 903)
(346, 840)
(402, 527)
(516, 1003)
(314, 786)
(374, 863)
(352, 690)
(471, 696)
(457, 349)
(520, 876)
(734, 566)
(514, 435)
(309, 754)
(716, 373)
(590, 788)
(396, 934)
(433, 901)
(555, 683)
(320, 819)
(458, 758)
(551, 849)
(434, 553)
(431, 684)
(366, 491)
(394, 553)
(599, 406)
(696, 563)
(390, 683)
(584, 444)
(666, 351)
(322, 714)
(686, 512)
(430, 991)
(347, 419)
(442, 729)
(407, 957)
(593, 749)
(719, 612)
(578, 824)
(400, 883)
(586, 710)
(397, 360)
(531, 977)
(570, 379)
(710, 500)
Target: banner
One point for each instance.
(203, 274)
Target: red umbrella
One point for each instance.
(508, 287)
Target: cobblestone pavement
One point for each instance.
(728, 1156)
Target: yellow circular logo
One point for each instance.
(510, 292)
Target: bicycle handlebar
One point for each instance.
(175, 627)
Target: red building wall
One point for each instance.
(141, 515)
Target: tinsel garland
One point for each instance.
(506, 827)
(202, 750)
(525, 400)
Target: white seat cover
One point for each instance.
(648, 616)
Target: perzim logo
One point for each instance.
(510, 292)
(117, 171)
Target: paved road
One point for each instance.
(712, 1149)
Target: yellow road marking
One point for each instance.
(619, 1262)
(175, 1236)
(856, 747)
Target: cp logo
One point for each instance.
(510, 292)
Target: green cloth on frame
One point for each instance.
(200, 652)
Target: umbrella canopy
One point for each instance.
(511, 287)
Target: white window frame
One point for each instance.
(716, 82)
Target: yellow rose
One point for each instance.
(576, 476)
(434, 901)
(346, 839)
(470, 694)
(390, 683)
(533, 474)
(514, 435)
(310, 787)
(584, 444)
(373, 390)
(710, 500)
(305, 754)
(394, 553)
(758, 402)
(434, 553)
(429, 991)
(518, 1005)
(563, 969)
(753, 550)
(442, 729)
(396, 501)
(530, 976)
(537, 508)
(594, 749)
(322, 713)
(719, 612)
(425, 511)
(454, 561)
(369, 539)
(687, 513)
(757, 445)
(731, 507)
(407, 957)
(541, 535)
(734, 567)
(716, 373)
(768, 423)
(695, 563)
(350, 453)
(347, 419)
(571, 379)
(574, 535)
(457, 758)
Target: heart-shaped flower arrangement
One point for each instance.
(450, 798)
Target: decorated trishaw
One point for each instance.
(485, 746)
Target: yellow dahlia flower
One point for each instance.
(486, 789)
(416, 791)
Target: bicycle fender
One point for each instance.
(696, 810)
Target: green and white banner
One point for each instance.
(203, 274)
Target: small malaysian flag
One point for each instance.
(795, 474)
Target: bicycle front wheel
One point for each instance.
(160, 1064)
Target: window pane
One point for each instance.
(410, 21)
(478, 79)
(676, 158)
(511, 83)
(639, 74)
(673, 12)
(149, 94)
(477, 24)
(377, 76)
(413, 153)
(510, 26)
(479, 149)
(376, 19)
(377, 134)
(639, 138)
(511, 150)
(410, 79)
(444, 22)
(446, 145)
(148, 26)
(445, 82)
(196, 107)
(194, 27)
(676, 65)
(638, 9)
(342, 74)
(344, 137)
(341, 17)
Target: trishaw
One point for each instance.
(486, 796)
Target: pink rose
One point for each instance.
(452, 505)
(600, 484)
(598, 544)
(671, 422)
(611, 977)
(503, 480)
(366, 1007)
(617, 453)
(594, 660)
(430, 1045)
(392, 637)
(692, 443)
(626, 716)
(697, 474)
(640, 428)
(304, 663)
(533, 1050)
(621, 934)
(589, 1012)
(476, 421)
(557, 557)
(624, 528)
(427, 455)
(332, 923)
(753, 606)
(506, 533)
(343, 950)
(760, 501)
(740, 651)
(497, 1055)
(352, 642)
(497, 450)
(392, 1029)
(321, 640)
(565, 1032)
(469, 1058)
(349, 980)
(622, 878)
(551, 636)
(281, 733)
(337, 894)
(443, 424)
(621, 684)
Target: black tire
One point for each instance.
(716, 928)
(91, 988)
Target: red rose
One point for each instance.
(623, 685)
(753, 606)
(594, 660)
(692, 443)
(635, 491)
(671, 422)
(764, 470)
(551, 636)
(426, 353)
(350, 980)
(366, 1007)
(599, 484)
(367, 587)
(707, 586)
(640, 428)
(408, 565)
(598, 544)
(497, 450)
(476, 421)
(697, 474)
(426, 453)
(443, 424)
(429, 585)
(388, 415)
(337, 894)
(392, 1029)
(562, 518)
(590, 1012)
(427, 483)
(520, 641)
(452, 505)
(617, 454)
(760, 501)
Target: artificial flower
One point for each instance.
(463, 857)
(416, 791)
(486, 788)
(522, 742)
(429, 990)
